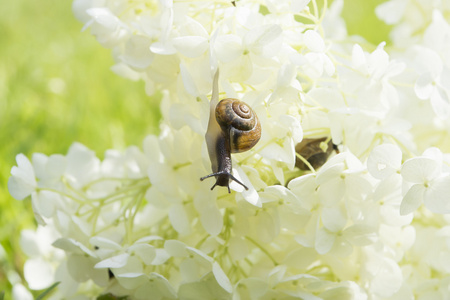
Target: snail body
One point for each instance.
(311, 150)
(233, 128)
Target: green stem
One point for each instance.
(299, 156)
(316, 10)
(262, 249)
(60, 193)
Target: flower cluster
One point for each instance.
(370, 223)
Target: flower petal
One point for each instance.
(437, 196)
(191, 46)
(179, 219)
(314, 41)
(412, 200)
(324, 241)
(424, 86)
(38, 273)
(117, 261)
(221, 277)
(420, 169)
(384, 160)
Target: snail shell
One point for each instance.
(310, 150)
(237, 118)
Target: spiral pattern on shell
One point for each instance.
(240, 121)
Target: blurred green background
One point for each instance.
(56, 88)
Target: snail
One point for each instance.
(310, 150)
(233, 128)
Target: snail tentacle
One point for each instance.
(223, 173)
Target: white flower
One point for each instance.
(22, 181)
(39, 270)
(432, 82)
(333, 226)
(437, 36)
(432, 64)
(132, 163)
(316, 62)
(82, 165)
(38, 273)
(164, 44)
(288, 133)
(391, 11)
(376, 69)
(195, 267)
(141, 224)
(194, 39)
(384, 164)
(106, 27)
(172, 160)
(244, 56)
(397, 240)
(137, 52)
(210, 216)
(49, 169)
(334, 24)
(410, 18)
(19, 292)
(80, 262)
(382, 274)
(286, 6)
(428, 185)
(384, 161)
(291, 214)
(342, 175)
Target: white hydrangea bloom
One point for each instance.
(429, 182)
(409, 18)
(19, 292)
(40, 268)
(140, 222)
(22, 181)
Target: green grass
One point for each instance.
(56, 88)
